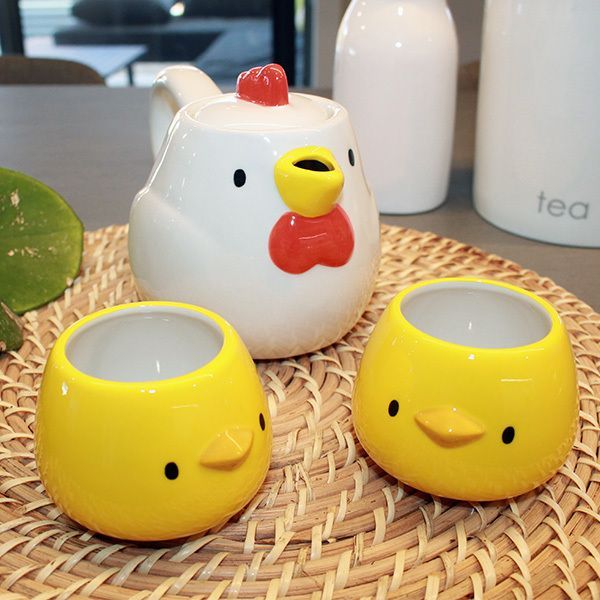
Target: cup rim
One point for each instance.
(555, 320)
(67, 366)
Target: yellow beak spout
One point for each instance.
(309, 180)
(228, 449)
(447, 426)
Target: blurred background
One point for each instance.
(129, 41)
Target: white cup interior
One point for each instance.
(476, 314)
(144, 343)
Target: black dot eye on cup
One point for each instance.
(351, 157)
(508, 435)
(171, 471)
(393, 408)
(239, 177)
(261, 421)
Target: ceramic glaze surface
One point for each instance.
(228, 111)
(470, 422)
(538, 124)
(159, 345)
(264, 85)
(395, 72)
(481, 316)
(298, 243)
(132, 447)
(262, 214)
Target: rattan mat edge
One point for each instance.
(327, 523)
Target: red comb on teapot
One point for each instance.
(264, 85)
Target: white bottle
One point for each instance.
(395, 71)
(537, 162)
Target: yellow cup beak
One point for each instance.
(228, 449)
(446, 426)
(309, 180)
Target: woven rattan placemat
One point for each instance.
(327, 522)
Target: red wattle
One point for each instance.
(298, 243)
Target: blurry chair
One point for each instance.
(19, 70)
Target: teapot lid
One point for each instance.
(262, 102)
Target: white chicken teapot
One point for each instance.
(257, 208)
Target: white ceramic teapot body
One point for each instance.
(257, 211)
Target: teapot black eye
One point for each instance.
(261, 421)
(393, 408)
(239, 177)
(508, 435)
(171, 471)
(351, 157)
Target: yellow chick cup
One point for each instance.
(467, 389)
(152, 423)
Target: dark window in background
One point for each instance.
(222, 37)
(11, 36)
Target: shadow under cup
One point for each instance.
(467, 389)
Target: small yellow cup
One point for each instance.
(152, 422)
(467, 389)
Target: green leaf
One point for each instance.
(41, 242)
(11, 336)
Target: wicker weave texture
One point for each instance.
(327, 523)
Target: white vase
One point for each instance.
(395, 71)
(537, 166)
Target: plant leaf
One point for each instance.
(41, 242)
(11, 336)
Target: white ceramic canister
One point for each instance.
(395, 72)
(537, 164)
